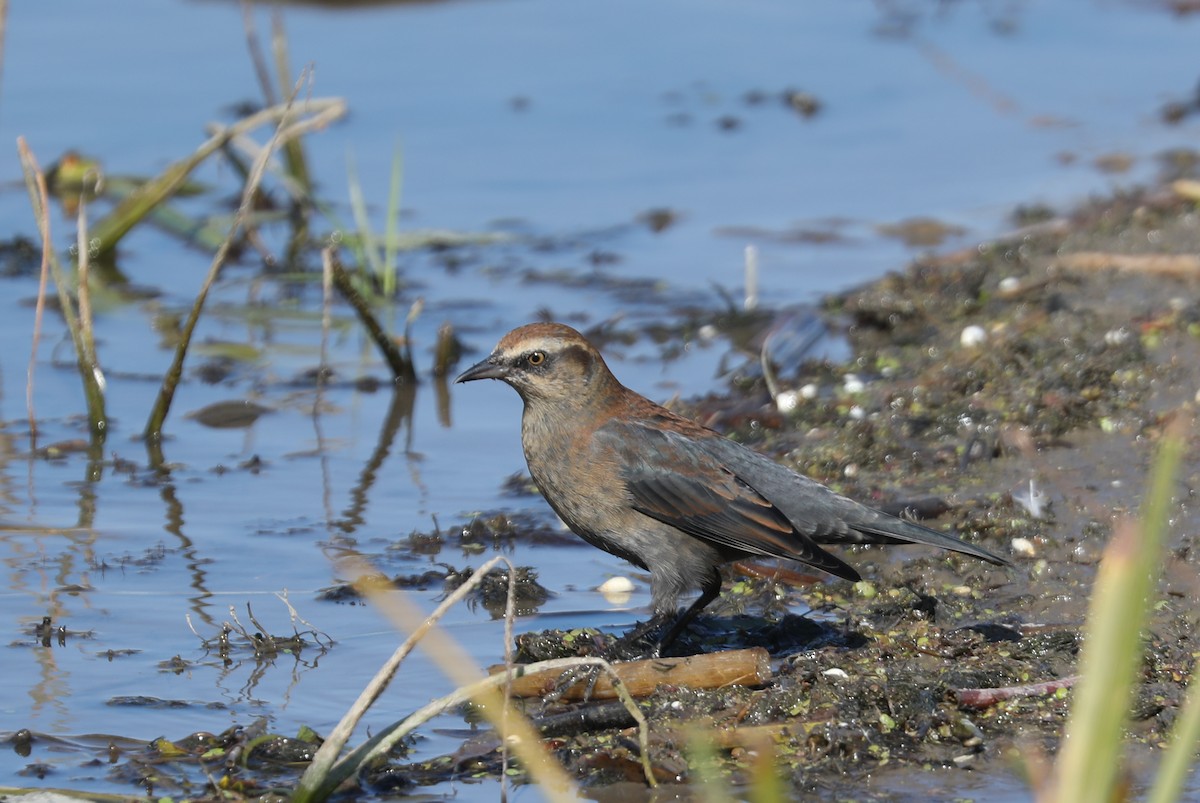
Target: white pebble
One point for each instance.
(1010, 284)
(809, 391)
(1115, 337)
(1023, 547)
(614, 584)
(616, 590)
(787, 401)
(973, 336)
(852, 384)
(835, 673)
(858, 413)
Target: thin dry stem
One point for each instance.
(514, 728)
(337, 739)
(153, 431)
(89, 369)
(257, 58)
(109, 231)
(84, 292)
(43, 224)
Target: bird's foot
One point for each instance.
(570, 679)
(641, 643)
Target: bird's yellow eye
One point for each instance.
(536, 358)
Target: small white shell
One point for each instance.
(616, 590)
(1023, 547)
(973, 336)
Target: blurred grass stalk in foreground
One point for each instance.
(1089, 767)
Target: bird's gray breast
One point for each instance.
(577, 475)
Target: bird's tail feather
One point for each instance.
(903, 531)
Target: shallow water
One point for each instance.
(560, 122)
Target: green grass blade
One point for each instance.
(392, 225)
(1181, 755)
(368, 252)
(1090, 761)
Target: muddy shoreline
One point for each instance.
(1015, 391)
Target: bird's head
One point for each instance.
(546, 362)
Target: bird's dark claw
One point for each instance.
(569, 679)
(642, 642)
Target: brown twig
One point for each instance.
(400, 363)
(748, 667)
(983, 698)
(1181, 265)
(153, 431)
(256, 54)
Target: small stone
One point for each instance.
(973, 336)
(616, 590)
(1115, 337)
(1023, 547)
(865, 589)
(618, 583)
(787, 401)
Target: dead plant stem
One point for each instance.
(89, 369)
(153, 431)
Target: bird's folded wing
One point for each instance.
(828, 517)
(673, 479)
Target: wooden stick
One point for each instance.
(749, 667)
(1181, 265)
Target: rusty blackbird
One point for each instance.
(663, 492)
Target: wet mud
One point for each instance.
(1016, 393)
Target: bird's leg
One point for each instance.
(637, 643)
(708, 592)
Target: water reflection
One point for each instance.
(399, 414)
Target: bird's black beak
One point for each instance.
(491, 368)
